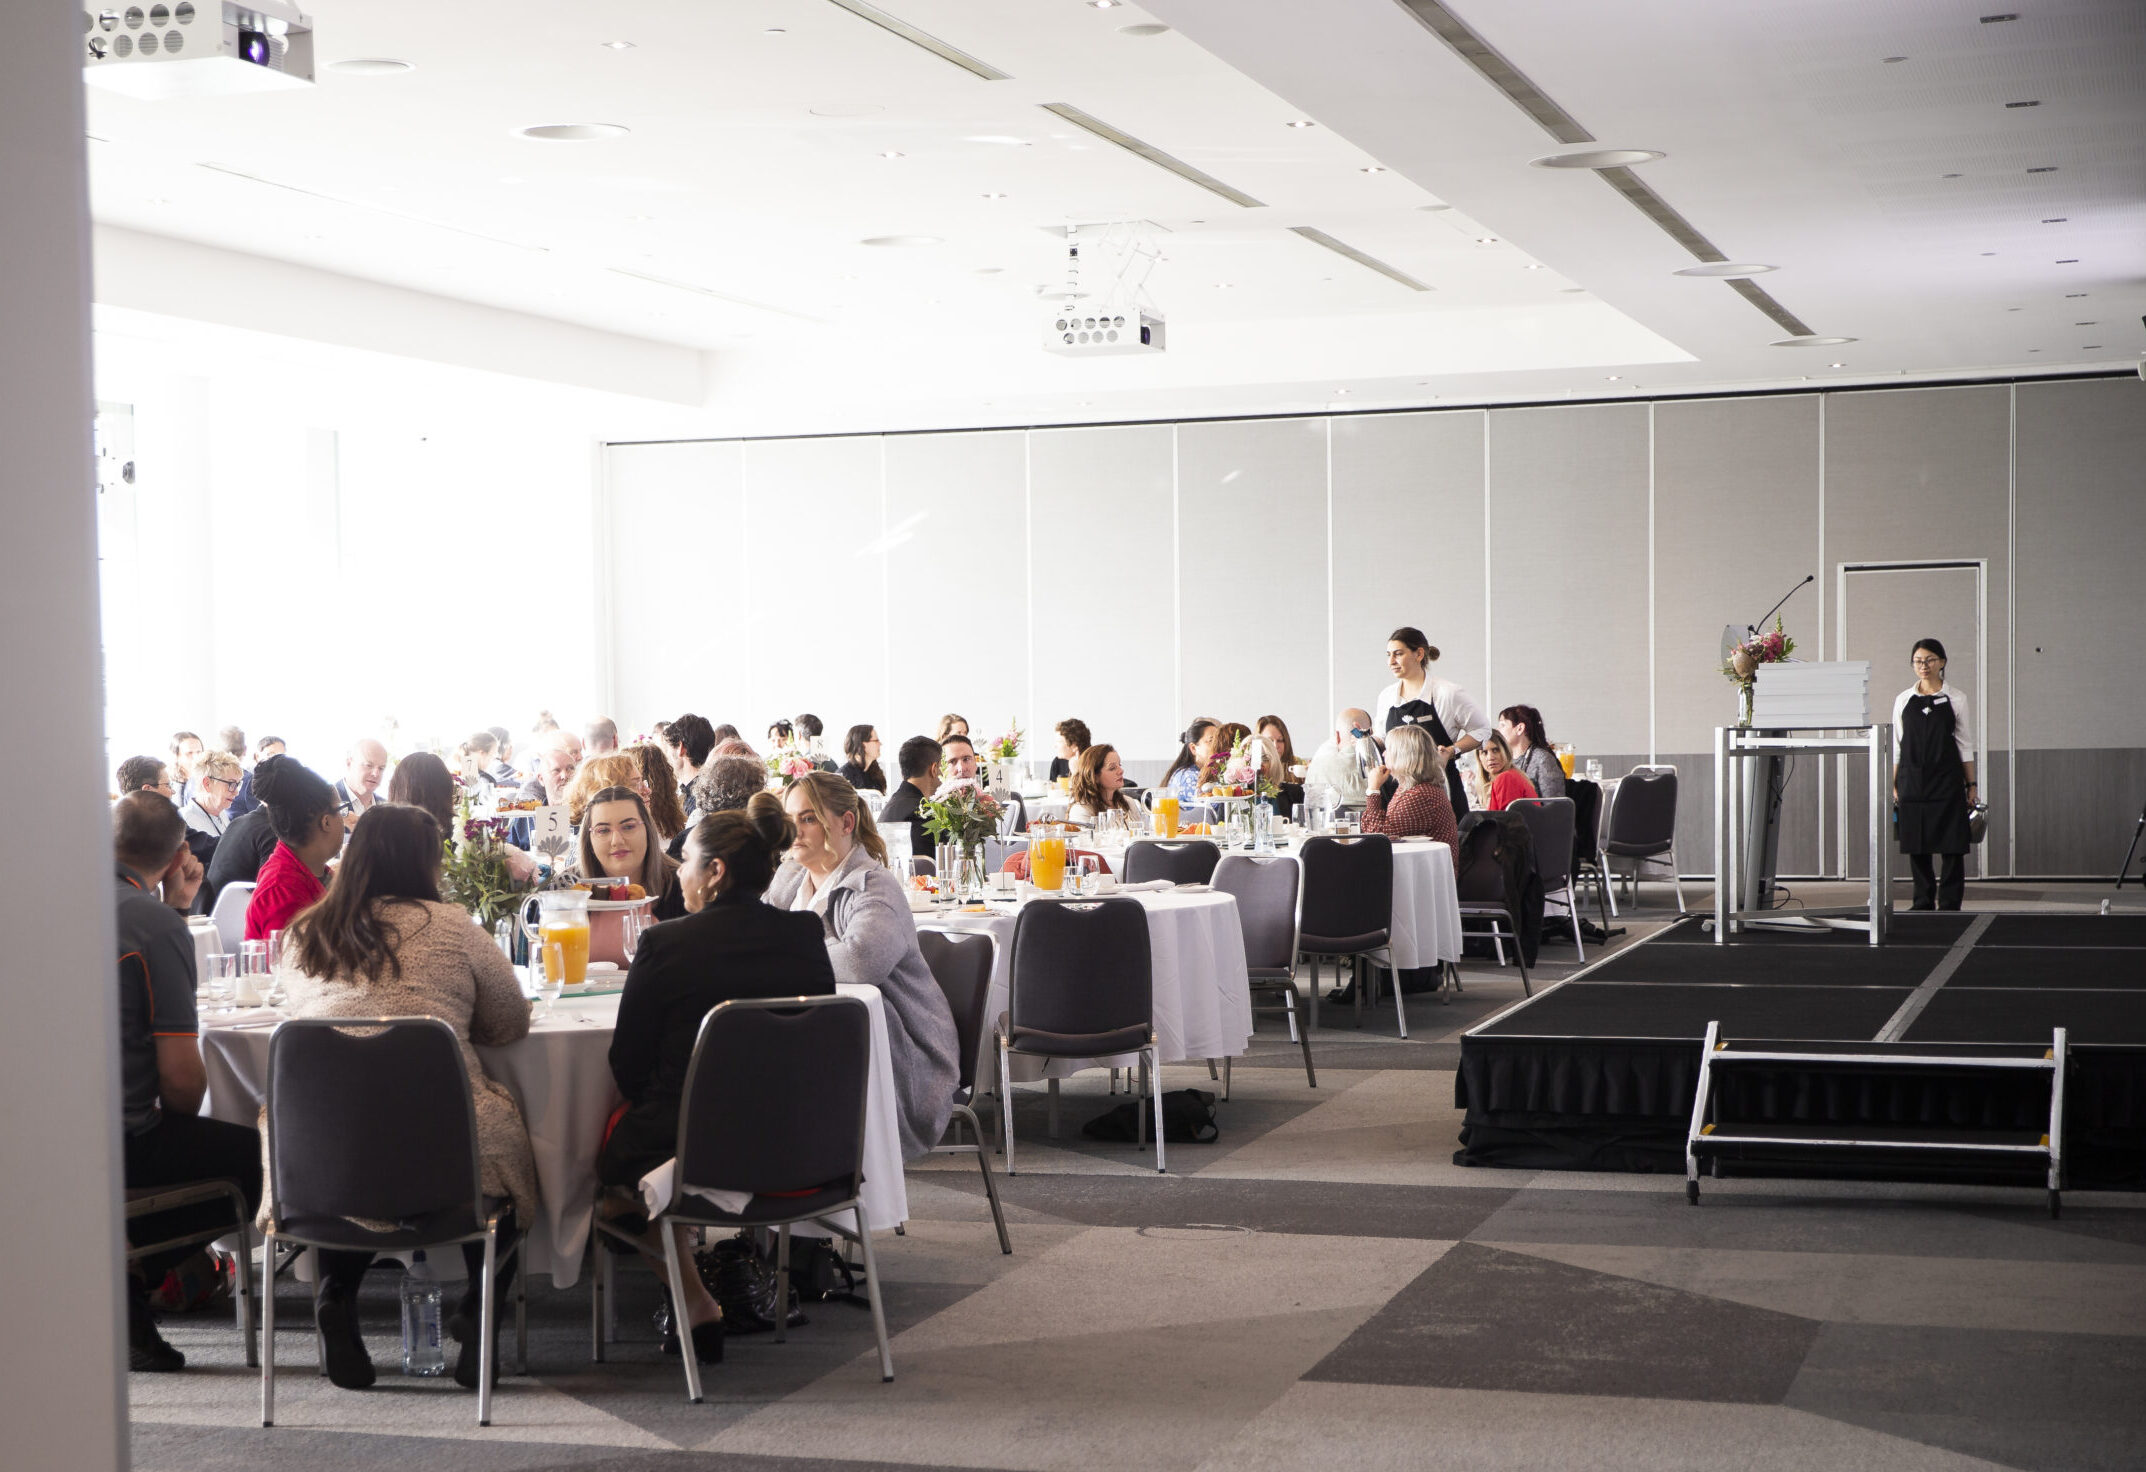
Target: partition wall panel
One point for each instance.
(2082, 599)
(1252, 569)
(676, 511)
(1736, 520)
(1105, 591)
(1568, 571)
(813, 612)
(957, 585)
(1408, 548)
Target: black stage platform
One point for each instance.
(1598, 1072)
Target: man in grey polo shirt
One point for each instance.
(161, 1076)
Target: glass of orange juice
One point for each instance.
(1166, 815)
(1564, 757)
(1047, 859)
(562, 934)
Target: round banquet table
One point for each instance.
(560, 1075)
(1202, 996)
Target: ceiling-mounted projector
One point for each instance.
(213, 48)
(1096, 333)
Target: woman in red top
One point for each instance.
(1420, 807)
(1508, 784)
(309, 832)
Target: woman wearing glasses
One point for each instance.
(208, 801)
(1933, 779)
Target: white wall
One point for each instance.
(62, 1398)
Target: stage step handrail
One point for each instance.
(1707, 1138)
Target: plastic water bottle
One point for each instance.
(421, 1351)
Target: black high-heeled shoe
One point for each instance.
(707, 1338)
(349, 1365)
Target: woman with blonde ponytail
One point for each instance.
(838, 871)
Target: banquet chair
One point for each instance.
(1081, 986)
(1642, 825)
(1587, 842)
(1348, 912)
(774, 1109)
(229, 914)
(1179, 860)
(150, 1201)
(998, 850)
(1266, 891)
(1550, 823)
(922, 864)
(1014, 818)
(343, 1146)
(961, 962)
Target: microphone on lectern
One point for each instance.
(1769, 613)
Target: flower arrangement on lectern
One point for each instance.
(1743, 661)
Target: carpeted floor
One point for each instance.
(1319, 1288)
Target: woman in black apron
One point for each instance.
(1933, 779)
(1456, 722)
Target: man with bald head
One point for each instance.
(1339, 761)
(364, 767)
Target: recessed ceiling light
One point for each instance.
(159, 199)
(1372, 169)
(1341, 390)
(1726, 269)
(1597, 158)
(2092, 347)
(2069, 261)
(2015, 309)
(1615, 378)
(1813, 342)
(1434, 209)
(1001, 139)
(902, 240)
(989, 270)
(1891, 59)
(776, 31)
(1103, 4)
(1989, 253)
(1303, 123)
(572, 132)
(2035, 103)
(892, 153)
(1532, 266)
(1143, 30)
(2033, 350)
(2056, 219)
(1486, 240)
(2044, 169)
(371, 66)
(618, 45)
(1948, 176)
(2072, 296)
(1990, 20)
(2095, 323)
(994, 196)
(1224, 285)
(1572, 291)
(1836, 365)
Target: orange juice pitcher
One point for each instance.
(562, 920)
(1047, 857)
(1166, 814)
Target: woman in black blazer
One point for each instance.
(729, 946)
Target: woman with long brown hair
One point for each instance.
(422, 780)
(381, 943)
(618, 841)
(838, 871)
(1099, 788)
(666, 809)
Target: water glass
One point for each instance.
(252, 972)
(1082, 872)
(550, 979)
(221, 981)
(1594, 770)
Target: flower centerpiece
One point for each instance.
(1001, 754)
(1744, 658)
(474, 872)
(786, 764)
(963, 814)
(1242, 773)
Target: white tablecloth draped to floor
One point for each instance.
(560, 1075)
(1426, 903)
(1203, 1003)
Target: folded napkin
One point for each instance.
(1148, 886)
(658, 1186)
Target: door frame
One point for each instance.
(1981, 568)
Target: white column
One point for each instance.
(62, 1398)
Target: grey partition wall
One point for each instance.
(1581, 558)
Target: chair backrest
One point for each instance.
(774, 1097)
(961, 962)
(1266, 893)
(998, 850)
(922, 864)
(1644, 811)
(375, 1122)
(229, 913)
(1551, 824)
(1179, 860)
(1348, 884)
(1081, 966)
(1014, 818)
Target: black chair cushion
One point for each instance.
(1271, 976)
(766, 1211)
(1341, 945)
(1636, 850)
(1078, 1044)
(336, 1231)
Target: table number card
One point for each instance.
(551, 837)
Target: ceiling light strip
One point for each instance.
(894, 25)
(359, 204)
(1149, 152)
(709, 291)
(1496, 70)
(1759, 297)
(1342, 248)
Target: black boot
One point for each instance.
(335, 1310)
(147, 1350)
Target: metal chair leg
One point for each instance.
(983, 1163)
(268, 1338)
(597, 1254)
(521, 1314)
(678, 1306)
(487, 1307)
(871, 1293)
(782, 1281)
(1053, 1089)
(1151, 1065)
(1302, 1036)
(1005, 1104)
(247, 1310)
(1225, 1077)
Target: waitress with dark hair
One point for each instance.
(1456, 722)
(1933, 779)
(308, 822)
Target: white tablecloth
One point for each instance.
(560, 1075)
(1426, 903)
(1203, 1001)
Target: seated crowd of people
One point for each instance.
(757, 894)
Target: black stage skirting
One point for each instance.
(1599, 1071)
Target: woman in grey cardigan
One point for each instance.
(1521, 725)
(838, 871)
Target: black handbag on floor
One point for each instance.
(1188, 1118)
